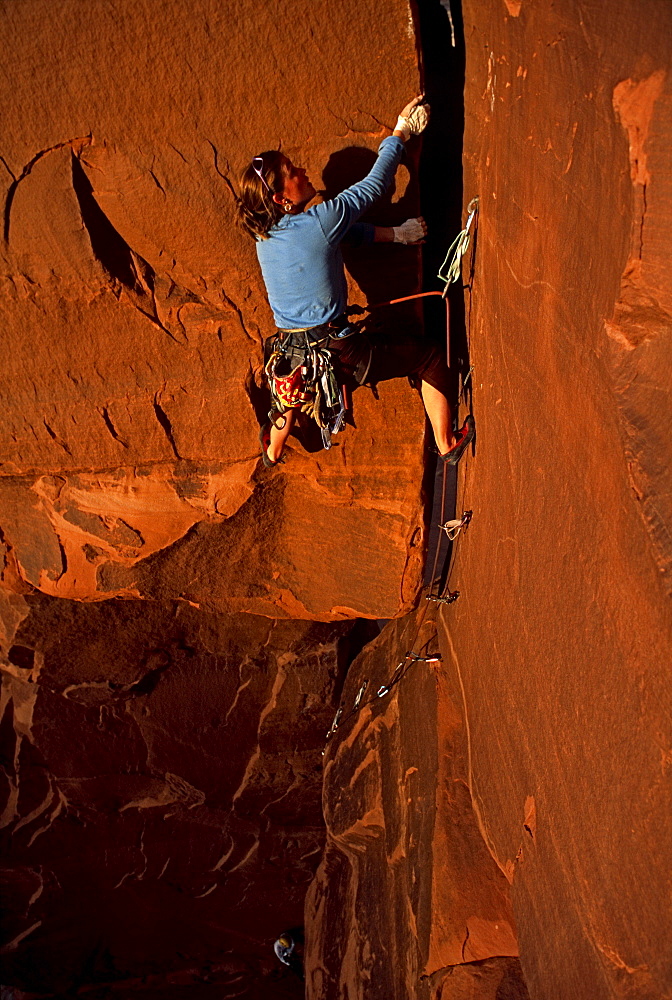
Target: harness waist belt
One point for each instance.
(334, 328)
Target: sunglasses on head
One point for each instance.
(258, 167)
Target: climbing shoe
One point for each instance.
(463, 439)
(264, 441)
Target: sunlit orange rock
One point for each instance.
(133, 312)
(539, 750)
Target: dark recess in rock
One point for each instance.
(109, 247)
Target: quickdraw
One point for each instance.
(402, 668)
(453, 528)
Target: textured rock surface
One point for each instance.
(407, 901)
(160, 774)
(161, 757)
(133, 313)
(542, 741)
(162, 786)
(561, 641)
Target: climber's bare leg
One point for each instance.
(438, 411)
(280, 435)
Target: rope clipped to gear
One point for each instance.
(449, 598)
(451, 269)
(385, 689)
(453, 528)
(402, 667)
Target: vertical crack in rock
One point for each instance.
(224, 177)
(465, 943)
(166, 425)
(64, 560)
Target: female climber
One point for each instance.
(298, 247)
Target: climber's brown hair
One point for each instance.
(264, 177)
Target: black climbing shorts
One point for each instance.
(393, 355)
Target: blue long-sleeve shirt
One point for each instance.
(301, 260)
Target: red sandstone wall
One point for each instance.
(407, 901)
(133, 313)
(161, 792)
(523, 785)
(562, 641)
(545, 732)
(161, 780)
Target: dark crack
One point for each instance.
(224, 177)
(464, 945)
(7, 168)
(239, 313)
(124, 266)
(181, 155)
(54, 437)
(164, 420)
(21, 656)
(109, 247)
(110, 426)
(158, 183)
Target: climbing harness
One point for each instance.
(300, 373)
(300, 369)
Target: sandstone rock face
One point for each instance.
(541, 742)
(134, 315)
(407, 901)
(498, 821)
(163, 706)
(561, 642)
(162, 782)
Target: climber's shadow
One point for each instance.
(384, 270)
